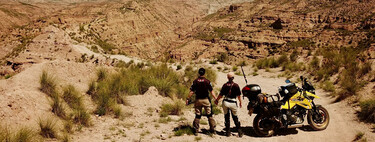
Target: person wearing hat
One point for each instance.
(231, 91)
(202, 87)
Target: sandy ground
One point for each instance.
(144, 125)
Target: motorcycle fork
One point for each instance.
(316, 112)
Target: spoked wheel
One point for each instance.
(318, 119)
(263, 126)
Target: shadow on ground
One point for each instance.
(249, 131)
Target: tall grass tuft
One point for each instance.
(57, 107)
(24, 135)
(367, 112)
(72, 97)
(112, 90)
(102, 74)
(48, 128)
(92, 88)
(81, 116)
(5, 134)
(174, 108)
(48, 84)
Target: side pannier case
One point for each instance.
(251, 91)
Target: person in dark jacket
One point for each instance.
(202, 88)
(231, 91)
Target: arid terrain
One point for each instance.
(120, 70)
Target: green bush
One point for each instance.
(367, 112)
(172, 109)
(267, 62)
(48, 128)
(48, 84)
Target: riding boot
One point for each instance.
(212, 124)
(239, 130)
(227, 124)
(196, 126)
(238, 125)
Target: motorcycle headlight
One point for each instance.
(286, 91)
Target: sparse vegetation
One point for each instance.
(234, 68)
(81, 116)
(57, 107)
(328, 86)
(165, 120)
(222, 57)
(48, 84)
(172, 109)
(107, 47)
(47, 128)
(72, 97)
(358, 136)
(301, 43)
(24, 135)
(111, 89)
(367, 112)
(184, 129)
(213, 62)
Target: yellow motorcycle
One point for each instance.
(287, 109)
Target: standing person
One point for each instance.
(231, 90)
(201, 87)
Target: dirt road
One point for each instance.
(343, 123)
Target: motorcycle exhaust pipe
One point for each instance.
(296, 126)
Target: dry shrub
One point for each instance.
(367, 112)
(174, 108)
(48, 128)
(48, 84)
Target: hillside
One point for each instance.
(108, 70)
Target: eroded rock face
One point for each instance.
(247, 30)
(211, 6)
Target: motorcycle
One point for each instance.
(289, 108)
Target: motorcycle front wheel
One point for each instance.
(263, 126)
(318, 119)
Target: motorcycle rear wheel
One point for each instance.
(318, 121)
(262, 127)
